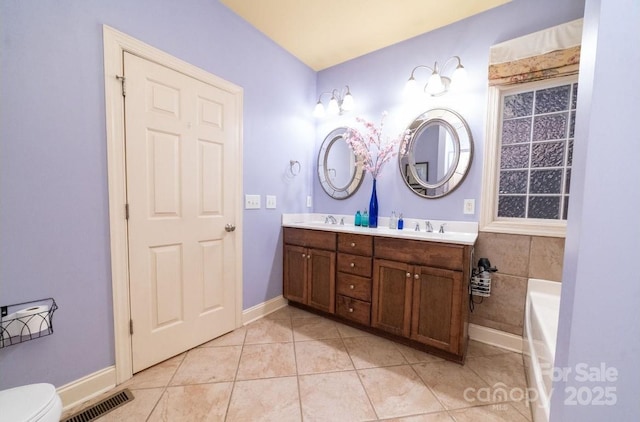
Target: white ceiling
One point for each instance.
(323, 33)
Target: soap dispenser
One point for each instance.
(357, 219)
(400, 222)
(393, 220)
(365, 219)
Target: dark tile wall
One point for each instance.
(517, 258)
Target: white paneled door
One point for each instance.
(181, 138)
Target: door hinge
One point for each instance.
(131, 326)
(124, 84)
(126, 211)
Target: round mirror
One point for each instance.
(438, 154)
(339, 170)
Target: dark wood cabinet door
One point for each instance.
(436, 311)
(322, 280)
(391, 296)
(295, 273)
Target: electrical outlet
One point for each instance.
(308, 201)
(271, 202)
(469, 206)
(252, 202)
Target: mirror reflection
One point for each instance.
(438, 155)
(339, 170)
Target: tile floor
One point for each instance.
(293, 365)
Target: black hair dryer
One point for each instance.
(481, 280)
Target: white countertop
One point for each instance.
(458, 232)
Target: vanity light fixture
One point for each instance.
(438, 84)
(341, 101)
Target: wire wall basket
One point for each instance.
(26, 321)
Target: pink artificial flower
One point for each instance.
(372, 148)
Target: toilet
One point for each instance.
(30, 403)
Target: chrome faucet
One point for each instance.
(330, 219)
(342, 221)
(428, 227)
(442, 228)
(417, 226)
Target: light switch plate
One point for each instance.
(469, 206)
(252, 202)
(309, 201)
(270, 202)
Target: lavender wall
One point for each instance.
(54, 223)
(377, 81)
(599, 322)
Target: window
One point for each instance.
(528, 157)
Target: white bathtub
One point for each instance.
(539, 342)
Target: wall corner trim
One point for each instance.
(494, 337)
(87, 387)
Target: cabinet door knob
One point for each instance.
(351, 286)
(408, 275)
(352, 265)
(304, 255)
(309, 256)
(417, 276)
(353, 244)
(350, 309)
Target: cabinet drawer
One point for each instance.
(420, 252)
(355, 243)
(353, 309)
(354, 286)
(310, 238)
(354, 264)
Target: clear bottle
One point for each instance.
(357, 219)
(393, 220)
(365, 219)
(400, 222)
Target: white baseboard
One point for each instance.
(495, 337)
(88, 387)
(263, 309)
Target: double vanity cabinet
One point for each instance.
(412, 291)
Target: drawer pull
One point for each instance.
(351, 286)
(350, 309)
(353, 244)
(352, 265)
(417, 276)
(408, 275)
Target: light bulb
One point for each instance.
(434, 85)
(459, 79)
(347, 102)
(411, 88)
(319, 110)
(333, 107)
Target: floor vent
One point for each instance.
(102, 408)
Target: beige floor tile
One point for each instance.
(477, 349)
(269, 331)
(336, 396)
(266, 361)
(297, 313)
(136, 410)
(208, 364)
(371, 352)
(523, 407)
(398, 391)
(273, 399)
(416, 356)
(282, 313)
(204, 402)
(156, 376)
(318, 356)
(455, 386)
(347, 331)
(234, 338)
(314, 329)
(492, 413)
(506, 368)
(430, 417)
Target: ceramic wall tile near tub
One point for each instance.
(518, 258)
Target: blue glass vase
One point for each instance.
(373, 207)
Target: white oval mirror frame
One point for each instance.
(339, 170)
(440, 167)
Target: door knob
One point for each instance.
(230, 227)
